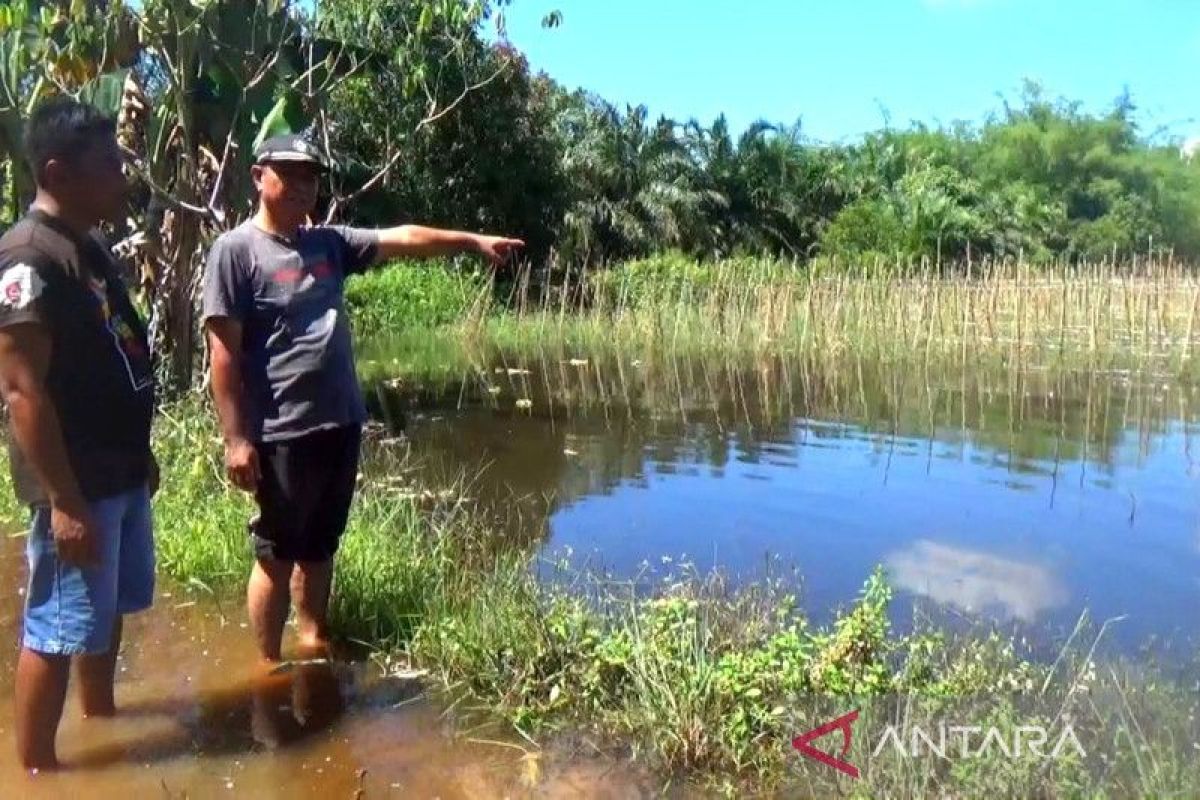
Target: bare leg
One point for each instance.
(311, 582)
(96, 676)
(267, 603)
(41, 691)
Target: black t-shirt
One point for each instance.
(101, 379)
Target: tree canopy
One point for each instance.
(430, 119)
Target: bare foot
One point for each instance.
(316, 696)
(313, 647)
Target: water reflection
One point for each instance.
(686, 409)
(198, 718)
(257, 711)
(976, 581)
(835, 468)
(295, 704)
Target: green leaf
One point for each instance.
(105, 91)
(160, 128)
(225, 85)
(286, 116)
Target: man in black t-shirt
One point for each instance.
(284, 381)
(76, 374)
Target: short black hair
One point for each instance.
(60, 129)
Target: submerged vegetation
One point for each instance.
(1098, 316)
(706, 681)
(703, 679)
(1138, 315)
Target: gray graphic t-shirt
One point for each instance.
(297, 362)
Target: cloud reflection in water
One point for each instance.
(976, 581)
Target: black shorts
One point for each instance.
(304, 495)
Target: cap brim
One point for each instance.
(288, 157)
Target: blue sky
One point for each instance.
(838, 63)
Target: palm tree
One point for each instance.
(634, 188)
(777, 193)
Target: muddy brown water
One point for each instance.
(197, 721)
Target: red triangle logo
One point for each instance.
(843, 723)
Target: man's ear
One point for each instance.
(256, 173)
(54, 173)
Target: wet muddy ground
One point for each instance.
(197, 720)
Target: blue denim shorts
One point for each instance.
(71, 610)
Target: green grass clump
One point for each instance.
(645, 282)
(411, 295)
(711, 685)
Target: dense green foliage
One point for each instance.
(437, 118)
(407, 295)
(1042, 178)
(589, 183)
(694, 676)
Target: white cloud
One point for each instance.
(976, 581)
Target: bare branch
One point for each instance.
(334, 80)
(219, 181)
(306, 76)
(432, 118)
(266, 67)
(263, 70)
(126, 247)
(323, 128)
(337, 205)
(136, 164)
(312, 43)
(333, 84)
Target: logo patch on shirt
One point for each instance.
(19, 286)
(321, 270)
(128, 343)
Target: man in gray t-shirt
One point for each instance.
(284, 381)
(298, 369)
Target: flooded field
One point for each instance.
(197, 721)
(1018, 496)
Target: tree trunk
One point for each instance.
(180, 338)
